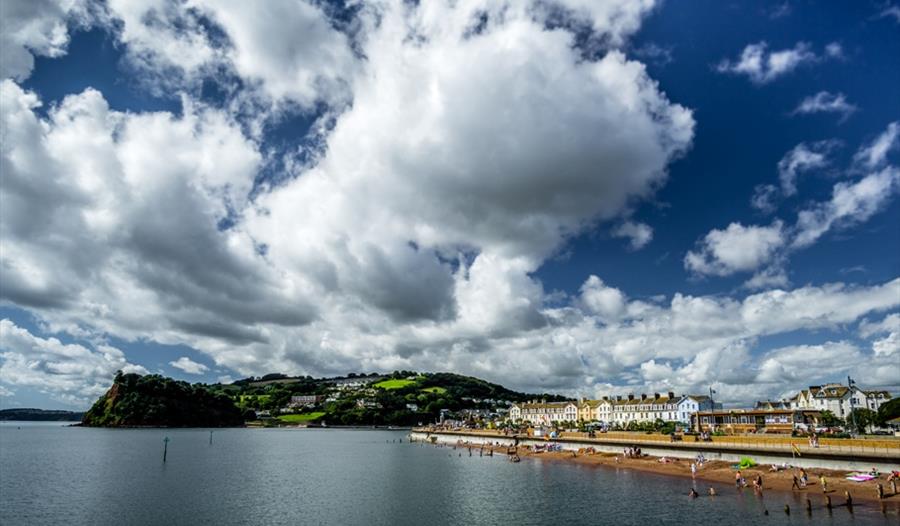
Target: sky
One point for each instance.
(583, 197)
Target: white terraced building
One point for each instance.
(614, 410)
(644, 408)
(543, 413)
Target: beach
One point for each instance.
(720, 473)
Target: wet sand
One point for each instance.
(723, 474)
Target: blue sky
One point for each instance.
(561, 200)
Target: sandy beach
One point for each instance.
(723, 474)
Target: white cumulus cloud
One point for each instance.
(850, 203)
(638, 234)
(763, 66)
(737, 248)
(826, 102)
(803, 158)
(189, 366)
(35, 28)
(69, 373)
(874, 154)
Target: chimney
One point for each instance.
(643, 396)
(671, 394)
(656, 396)
(631, 396)
(618, 398)
(605, 398)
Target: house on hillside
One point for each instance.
(298, 401)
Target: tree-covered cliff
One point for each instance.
(154, 400)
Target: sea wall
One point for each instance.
(849, 462)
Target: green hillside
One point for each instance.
(157, 401)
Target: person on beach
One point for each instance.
(824, 483)
(795, 483)
(739, 480)
(804, 478)
(693, 469)
(757, 483)
(893, 477)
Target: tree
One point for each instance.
(828, 419)
(862, 419)
(888, 410)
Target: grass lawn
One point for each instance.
(253, 400)
(302, 418)
(394, 384)
(437, 390)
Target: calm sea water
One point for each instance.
(52, 474)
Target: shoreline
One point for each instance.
(721, 473)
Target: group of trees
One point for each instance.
(860, 420)
(154, 400)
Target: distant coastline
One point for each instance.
(30, 414)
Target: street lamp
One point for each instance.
(850, 384)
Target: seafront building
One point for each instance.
(618, 410)
(646, 408)
(544, 413)
(702, 413)
(756, 420)
(839, 399)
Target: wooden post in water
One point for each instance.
(787, 509)
(165, 448)
(808, 506)
(828, 502)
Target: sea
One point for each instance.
(52, 473)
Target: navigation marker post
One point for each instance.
(165, 447)
(210, 437)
